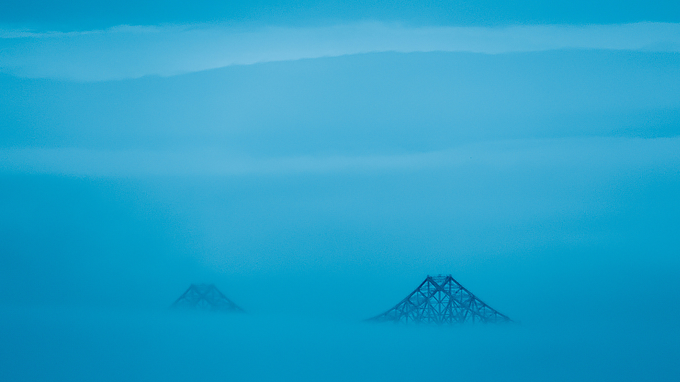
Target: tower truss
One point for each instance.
(441, 300)
(205, 297)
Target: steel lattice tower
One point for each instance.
(205, 297)
(441, 300)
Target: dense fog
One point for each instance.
(318, 182)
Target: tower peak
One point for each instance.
(205, 297)
(441, 299)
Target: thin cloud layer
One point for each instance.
(136, 51)
(124, 163)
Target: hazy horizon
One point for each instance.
(316, 161)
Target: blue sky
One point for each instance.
(76, 15)
(316, 161)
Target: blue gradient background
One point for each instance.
(75, 15)
(316, 160)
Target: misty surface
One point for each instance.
(318, 192)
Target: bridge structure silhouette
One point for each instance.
(205, 297)
(441, 300)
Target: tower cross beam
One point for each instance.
(441, 299)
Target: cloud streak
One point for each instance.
(136, 51)
(658, 152)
